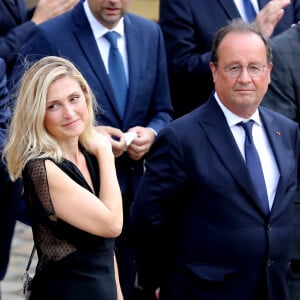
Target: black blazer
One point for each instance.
(15, 27)
(9, 203)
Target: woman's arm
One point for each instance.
(102, 215)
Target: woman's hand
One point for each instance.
(99, 144)
(116, 137)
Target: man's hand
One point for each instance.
(142, 143)
(46, 9)
(270, 15)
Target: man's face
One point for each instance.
(109, 12)
(243, 93)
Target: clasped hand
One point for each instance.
(137, 147)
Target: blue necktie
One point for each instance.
(116, 71)
(249, 10)
(254, 165)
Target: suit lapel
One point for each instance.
(13, 10)
(273, 132)
(223, 142)
(133, 55)
(230, 8)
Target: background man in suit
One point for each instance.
(16, 23)
(5, 220)
(189, 27)
(82, 39)
(284, 96)
(196, 201)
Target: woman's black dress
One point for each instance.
(72, 264)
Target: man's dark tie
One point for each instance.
(116, 71)
(250, 11)
(254, 165)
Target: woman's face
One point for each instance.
(66, 109)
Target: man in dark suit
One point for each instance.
(5, 224)
(189, 27)
(284, 96)
(17, 21)
(82, 39)
(197, 203)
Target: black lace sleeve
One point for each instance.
(49, 238)
(36, 183)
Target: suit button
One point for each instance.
(269, 227)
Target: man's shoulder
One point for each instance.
(54, 30)
(289, 37)
(61, 24)
(144, 23)
(192, 118)
(55, 23)
(278, 117)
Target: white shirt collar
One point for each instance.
(97, 28)
(233, 119)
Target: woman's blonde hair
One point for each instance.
(28, 137)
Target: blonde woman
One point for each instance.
(70, 183)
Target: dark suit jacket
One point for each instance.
(189, 27)
(284, 94)
(4, 116)
(8, 191)
(196, 199)
(284, 91)
(148, 102)
(4, 110)
(15, 27)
